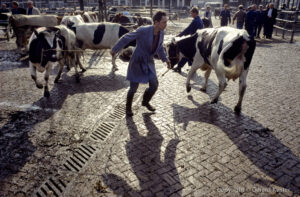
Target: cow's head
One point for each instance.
(172, 52)
(52, 44)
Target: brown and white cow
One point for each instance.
(227, 50)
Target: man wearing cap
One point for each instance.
(240, 17)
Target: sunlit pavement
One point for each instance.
(79, 142)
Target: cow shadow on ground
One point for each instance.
(144, 155)
(198, 82)
(16, 149)
(255, 141)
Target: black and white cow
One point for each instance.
(47, 46)
(227, 50)
(100, 36)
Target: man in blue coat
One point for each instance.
(141, 67)
(250, 21)
(190, 30)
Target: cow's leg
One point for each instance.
(190, 75)
(222, 85)
(46, 77)
(60, 69)
(115, 67)
(34, 77)
(77, 77)
(206, 75)
(242, 89)
(77, 56)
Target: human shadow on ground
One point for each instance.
(255, 141)
(15, 146)
(144, 154)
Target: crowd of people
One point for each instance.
(252, 19)
(15, 9)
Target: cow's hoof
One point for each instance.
(237, 109)
(203, 89)
(77, 78)
(46, 94)
(214, 101)
(188, 88)
(83, 70)
(39, 86)
(68, 68)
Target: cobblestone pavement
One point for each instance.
(79, 143)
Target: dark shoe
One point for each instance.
(146, 99)
(128, 105)
(177, 70)
(149, 107)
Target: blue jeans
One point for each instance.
(153, 85)
(182, 62)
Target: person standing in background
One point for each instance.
(260, 19)
(240, 17)
(250, 21)
(225, 16)
(207, 15)
(270, 20)
(4, 9)
(31, 10)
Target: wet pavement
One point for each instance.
(79, 143)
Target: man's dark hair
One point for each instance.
(15, 3)
(195, 10)
(158, 16)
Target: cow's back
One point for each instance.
(98, 35)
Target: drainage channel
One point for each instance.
(57, 184)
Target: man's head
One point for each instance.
(208, 8)
(194, 12)
(241, 7)
(260, 7)
(271, 5)
(254, 7)
(225, 6)
(30, 4)
(15, 4)
(3, 6)
(160, 20)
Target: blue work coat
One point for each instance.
(141, 65)
(193, 27)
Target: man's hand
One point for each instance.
(112, 53)
(169, 65)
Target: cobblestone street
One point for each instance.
(79, 142)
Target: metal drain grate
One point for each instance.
(102, 131)
(52, 187)
(79, 158)
(118, 113)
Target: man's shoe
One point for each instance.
(177, 70)
(149, 107)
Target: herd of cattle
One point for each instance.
(226, 50)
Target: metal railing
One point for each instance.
(288, 22)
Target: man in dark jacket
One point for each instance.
(225, 16)
(270, 20)
(260, 19)
(250, 21)
(191, 29)
(16, 9)
(4, 9)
